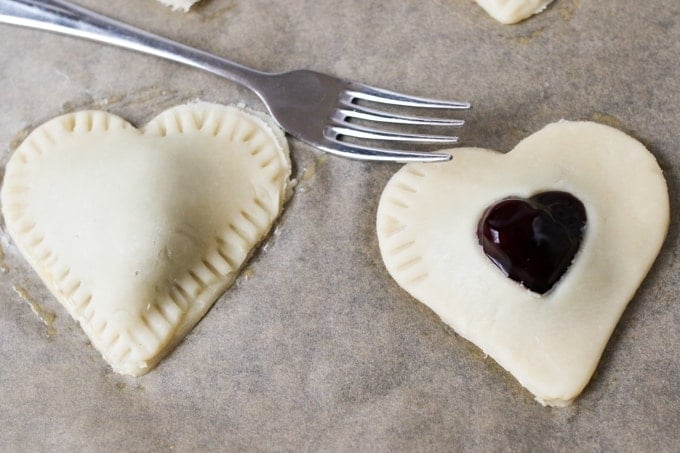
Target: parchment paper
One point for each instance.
(316, 348)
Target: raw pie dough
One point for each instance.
(512, 11)
(137, 232)
(183, 5)
(427, 222)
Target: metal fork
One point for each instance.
(316, 108)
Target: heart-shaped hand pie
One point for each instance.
(137, 232)
(427, 224)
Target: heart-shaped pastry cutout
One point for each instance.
(427, 222)
(533, 241)
(137, 232)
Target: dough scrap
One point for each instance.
(427, 222)
(183, 5)
(512, 11)
(138, 231)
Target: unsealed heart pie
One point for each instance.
(431, 224)
(137, 232)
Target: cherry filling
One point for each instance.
(533, 241)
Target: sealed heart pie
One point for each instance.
(531, 255)
(138, 231)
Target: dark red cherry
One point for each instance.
(533, 241)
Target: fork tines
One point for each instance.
(350, 110)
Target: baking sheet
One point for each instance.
(315, 347)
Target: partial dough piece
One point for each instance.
(427, 222)
(512, 11)
(138, 232)
(183, 5)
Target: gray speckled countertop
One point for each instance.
(316, 347)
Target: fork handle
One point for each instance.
(69, 19)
